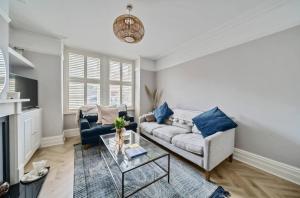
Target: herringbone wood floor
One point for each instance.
(238, 178)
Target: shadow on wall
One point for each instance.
(270, 144)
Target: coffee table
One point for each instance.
(125, 164)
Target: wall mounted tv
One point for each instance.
(27, 87)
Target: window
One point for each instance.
(83, 80)
(120, 88)
(95, 79)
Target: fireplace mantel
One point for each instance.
(11, 106)
(13, 109)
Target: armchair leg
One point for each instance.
(230, 158)
(86, 146)
(207, 175)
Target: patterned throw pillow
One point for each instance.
(185, 124)
(150, 117)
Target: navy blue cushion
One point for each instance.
(162, 112)
(213, 121)
(122, 113)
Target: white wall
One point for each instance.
(48, 73)
(46, 54)
(258, 83)
(144, 75)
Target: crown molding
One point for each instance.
(266, 19)
(5, 16)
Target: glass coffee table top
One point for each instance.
(130, 137)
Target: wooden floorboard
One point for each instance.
(240, 179)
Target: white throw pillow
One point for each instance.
(195, 129)
(99, 121)
(109, 115)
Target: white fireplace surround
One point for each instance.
(13, 109)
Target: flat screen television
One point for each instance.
(27, 87)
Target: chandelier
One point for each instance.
(128, 28)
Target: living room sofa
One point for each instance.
(90, 130)
(188, 142)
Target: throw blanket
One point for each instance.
(87, 110)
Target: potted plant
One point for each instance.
(119, 125)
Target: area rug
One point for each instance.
(92, 178)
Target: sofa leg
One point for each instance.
(207, 175)
(230, 158)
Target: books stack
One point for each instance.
(135, 150)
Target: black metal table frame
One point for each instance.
(167, 173)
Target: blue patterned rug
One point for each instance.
(92, 178)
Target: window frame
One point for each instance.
(104, 77)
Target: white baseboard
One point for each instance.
(52, 141)
(71, 132)
(273, 167)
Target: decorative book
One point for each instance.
(135, 152)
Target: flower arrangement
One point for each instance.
(154, 96)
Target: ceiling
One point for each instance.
(88, 24)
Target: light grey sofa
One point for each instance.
(206, 152)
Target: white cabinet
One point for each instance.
(31, 130)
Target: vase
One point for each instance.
(119, 138)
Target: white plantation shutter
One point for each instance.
(76, 65)
(114, 70)
(121, 83)
(93, 68)
(126, 72)
(89, 79)
(83, 88)
(93, 93)
(114, 94)
(93, 80)
(127, 95)
(76, 95)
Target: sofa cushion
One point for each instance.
(213, 121)
(191, 142)
(162, 112)
(97, 130)
(150, 126)
(167, 132)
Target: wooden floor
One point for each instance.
(238, 178)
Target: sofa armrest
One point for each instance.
(142, 119)
(84, 124)
(129, 118)
(217, 148)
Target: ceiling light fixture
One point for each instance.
(128, 28)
